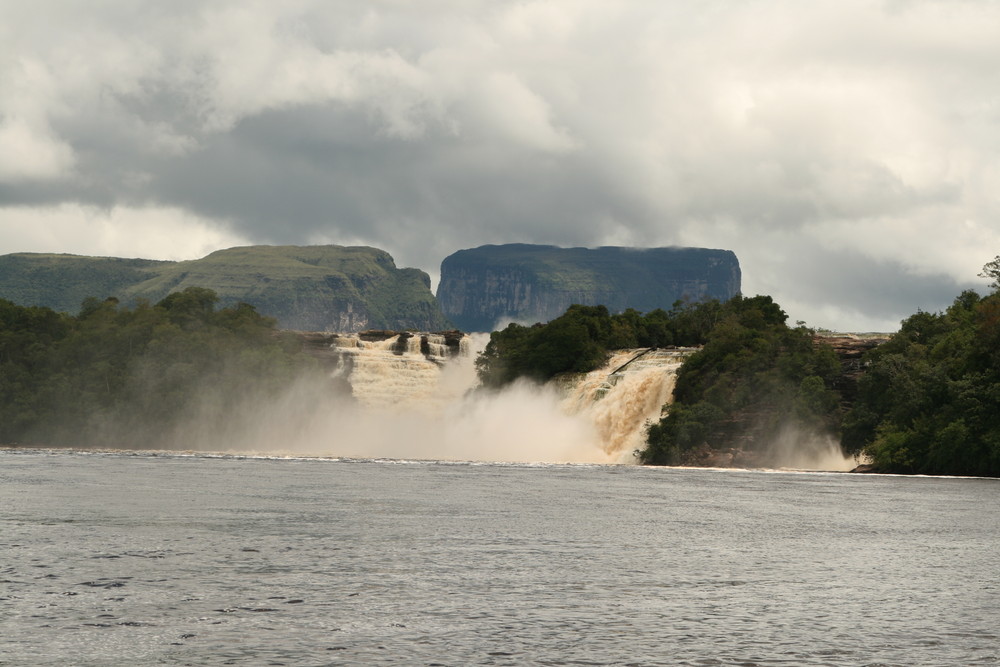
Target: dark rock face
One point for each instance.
(535, 283)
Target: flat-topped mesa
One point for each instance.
(309, 288)
(483, 287)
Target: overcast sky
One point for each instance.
(848, 151)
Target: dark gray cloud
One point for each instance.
(847, 151)
(863, 289)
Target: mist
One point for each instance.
(400, 407)
(801, 448)
(409, 407)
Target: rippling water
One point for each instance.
(118, 559)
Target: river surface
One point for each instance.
(141, 559)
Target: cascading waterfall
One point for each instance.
(401, 371)
(621, 398)
(422, 381)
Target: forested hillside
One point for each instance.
(755, 379)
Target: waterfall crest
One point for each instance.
(403, 370)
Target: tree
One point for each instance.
(991, 270)
(191, 307)
(930, 400)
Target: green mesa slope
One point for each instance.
(329, 287)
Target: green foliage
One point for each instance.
(992, 271)
(574, 341)
(61, 282)
(579, 340)
(930, 401)
(26, 337)
(114, 374)
(753, 376)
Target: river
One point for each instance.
(143, 559)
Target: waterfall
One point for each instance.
(403, 370)
(621, 398)
(414, 390)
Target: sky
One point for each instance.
(848, 151)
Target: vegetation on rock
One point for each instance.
(753, 376)
(145, 376)
(928, 401)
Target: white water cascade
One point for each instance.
(624, 396)
(416, 372)
(415, 393)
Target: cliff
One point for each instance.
(532, 283)
(312, 288)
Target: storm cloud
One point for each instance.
(848, 151)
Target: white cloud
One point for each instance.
(146, 232)
(31, 153)
(511, 113)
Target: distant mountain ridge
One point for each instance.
(311, 288)
(536, 283)
(352, 288)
